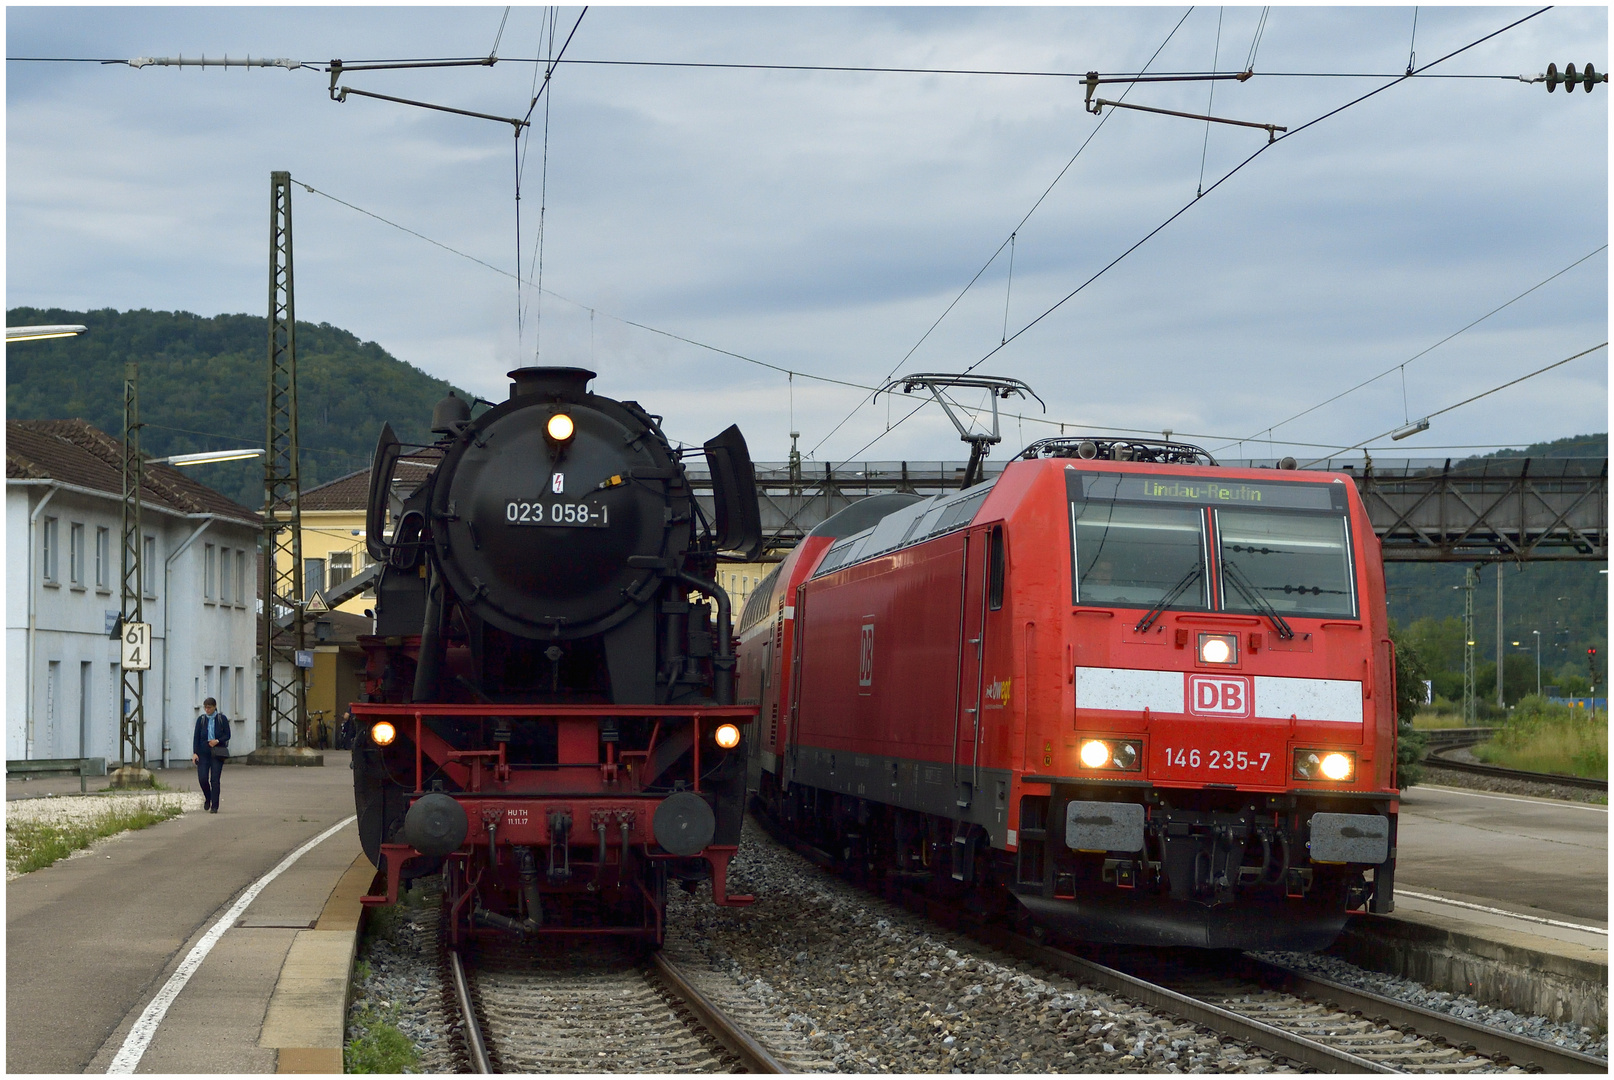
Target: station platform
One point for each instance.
(94, 940)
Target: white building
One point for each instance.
(63, 595)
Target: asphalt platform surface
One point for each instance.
(91, 939)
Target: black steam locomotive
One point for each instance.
(549, 715)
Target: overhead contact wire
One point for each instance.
(1006, 243)
(1231, 172)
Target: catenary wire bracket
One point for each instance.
(1096, 105)
(340, 93)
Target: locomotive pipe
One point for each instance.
(429, 664)
(723, 656)
(599, 866)
(527, 871)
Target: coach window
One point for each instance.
(994, 578)
(1135, 556)
(1298, 563)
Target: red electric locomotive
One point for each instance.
(1151, 698)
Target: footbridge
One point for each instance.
(1423, 510)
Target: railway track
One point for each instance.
(1305, 1020)
(595, 1008)
(1443, 742)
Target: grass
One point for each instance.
(378, 1046)
(32, 845)
(1542, 737)
(1436, 721)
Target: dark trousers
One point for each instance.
(208, 771)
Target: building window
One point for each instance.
(341, 567)
(240, 578)
(208, 561)
(313, 577)
(75, 553)
(236, 704)
(148, 568)
(224, 575)
(103, 558)
(47, 551)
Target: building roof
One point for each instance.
(77, 453)
(352, 492)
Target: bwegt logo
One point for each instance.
(1220, 695)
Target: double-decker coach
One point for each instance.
(1150, 698)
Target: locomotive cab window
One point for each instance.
(1298, 563)
(1136, 556)
(994, 571)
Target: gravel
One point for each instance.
(873, 988)
(1460, 1005)
(1434, 774)
(400, 955)
(79, 809)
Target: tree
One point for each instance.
(1409, 678)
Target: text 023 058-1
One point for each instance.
(564, 514)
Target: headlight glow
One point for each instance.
(727, 736)
(1095, 755)
(1337, 766)
(560, 427)
(383, 733)
(1333, 765)
(1218, 649)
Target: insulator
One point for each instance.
(1570, 78)
(1552, 77)
(1589, 78)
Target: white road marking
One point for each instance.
(141, 1034)
(1501, 911)
(1512, 798)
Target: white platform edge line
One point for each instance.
(145, 1028)
(1501, 911)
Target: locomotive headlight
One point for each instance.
(560, 428)
(1122, 754)
(1324, 765)
(383, 733)
(727, 736)
(1218, 649)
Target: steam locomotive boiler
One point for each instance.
(548, 715)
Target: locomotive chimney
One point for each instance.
(550, 383)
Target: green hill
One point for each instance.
(202, 387)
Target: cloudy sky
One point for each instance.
(823, 221)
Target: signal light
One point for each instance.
(383, 733)
(560, 428)
(1569, 78)
(727, 736)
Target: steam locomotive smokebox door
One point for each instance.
(435, 825)
(1349, 838)
(1103, 826)
(534, 532)
(684, 824)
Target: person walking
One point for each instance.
(210, 746)
(344, 736)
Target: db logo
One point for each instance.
(1219, 695)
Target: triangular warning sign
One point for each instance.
(316, 605)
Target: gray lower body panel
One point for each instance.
(980, 797)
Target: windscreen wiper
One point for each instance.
(1232, 573)
(1167, 600)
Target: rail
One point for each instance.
(476, 1047)
(1501, 1046)
(750, 1052)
